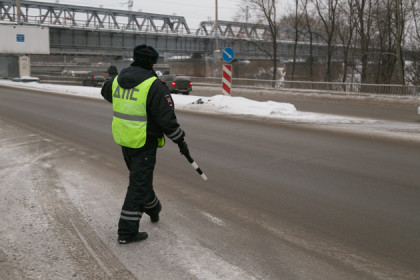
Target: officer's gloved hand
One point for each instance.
(183, 148)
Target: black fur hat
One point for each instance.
(144, 54)
(112, 70)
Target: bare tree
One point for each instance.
(309, 33)
(400, 24)
(345, 31)
(383, 41)
(366, 31)
(312, 29)
(267, 11)
(415, 9)
(364, 28)
(296, 25)
(328, 15)
(413, 42)
(390, 18)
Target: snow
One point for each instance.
(239, 106)
(231, 105)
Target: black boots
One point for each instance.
(125, 239)
(154, 215)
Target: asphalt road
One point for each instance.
(389, 113)
(286, 201)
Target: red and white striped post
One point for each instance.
(227, 79)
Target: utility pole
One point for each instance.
(216, 28)
(18, 11)
(216, 52)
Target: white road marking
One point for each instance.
(213, 219)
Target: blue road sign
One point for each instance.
(20, 37)
(228, 54)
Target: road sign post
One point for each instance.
(227, 79)
(228, 56)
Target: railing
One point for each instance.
(355, 88)
(348, 88)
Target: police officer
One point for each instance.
(112, 71)
(143, 111)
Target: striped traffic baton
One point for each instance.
(195, 165)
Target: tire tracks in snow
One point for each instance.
(65, 233)
(77, 236)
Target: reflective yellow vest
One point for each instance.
(129, 124)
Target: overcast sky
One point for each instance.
(194, 11)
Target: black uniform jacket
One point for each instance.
(159, 107)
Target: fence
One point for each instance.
(317, 86)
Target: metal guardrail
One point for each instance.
(355, 88)
(317, 86)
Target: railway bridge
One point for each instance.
(79, 30)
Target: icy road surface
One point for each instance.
(57, 221)
(58, 218)
(232, 105)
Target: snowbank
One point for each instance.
(218, 104)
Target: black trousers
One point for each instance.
(140, 197)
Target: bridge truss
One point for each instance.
(241, 30)
(53, 14)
